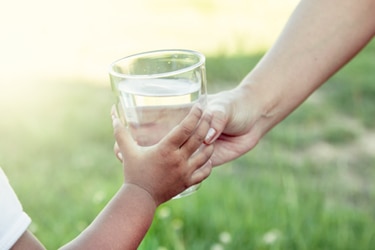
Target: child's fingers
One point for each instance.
(201, 173)
(184, 130)
(200, 164)
(201, 156)
(197, 138)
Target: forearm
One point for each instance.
(122, 224)
(28, 241)
(320, 37)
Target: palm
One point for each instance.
(228, 148)
(235, 123)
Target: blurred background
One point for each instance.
(307, 185)
(80, 38)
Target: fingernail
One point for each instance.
(119, 155)
(114, 121)
(210, 134)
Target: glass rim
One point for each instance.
(200, 56)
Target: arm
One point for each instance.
(28, 241)
(121, 225)
(320, 37)
(153, 175)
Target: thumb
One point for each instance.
(123, 138)
(218, 112)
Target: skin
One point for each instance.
(318, 40)
(152, 176)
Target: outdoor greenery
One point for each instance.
(309, 184)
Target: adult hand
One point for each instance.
(233, 130)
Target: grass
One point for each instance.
(307, 185)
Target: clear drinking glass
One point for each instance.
(155, 90)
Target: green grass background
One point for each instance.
(309, 184)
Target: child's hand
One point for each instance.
(172, 165)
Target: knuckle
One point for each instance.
(199, 137)
(209, 150)
(187, 130)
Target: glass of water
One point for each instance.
(155, 90)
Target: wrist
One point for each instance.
(141, 194)
(264, 103)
